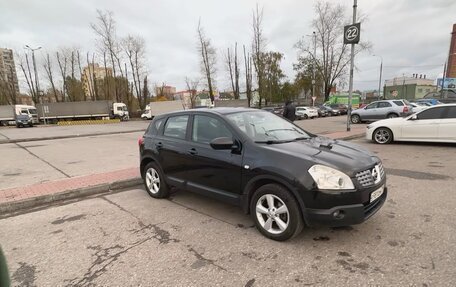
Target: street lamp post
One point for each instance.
(380, 77)
(313, 69)
(36, 76)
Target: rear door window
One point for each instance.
(384, 105)
(399, 103)
(176, 127)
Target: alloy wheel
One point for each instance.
(382, 136)
(272, 214)
(153, 180)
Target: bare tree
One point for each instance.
(50, 76)
(259, 45)
(232, 63)
(105, 29)
(7, 88)
(146, 93)
(248, 76)
(134, 47)
(62, 60)
(192, 88)
(332, 57)
(208, 59)
(27, 71)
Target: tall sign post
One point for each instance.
(351, 36)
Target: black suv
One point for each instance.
(282, 175)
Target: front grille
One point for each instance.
(365, 177)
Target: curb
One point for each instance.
(352, 137)
(66, 137)
(39, 201)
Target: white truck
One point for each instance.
(84, 110)
(8, 114)
(157, 108)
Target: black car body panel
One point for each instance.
(233, 175)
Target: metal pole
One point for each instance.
(380, 81)
(36, 78)
(313, 70)
(443, 79)
(352, 62)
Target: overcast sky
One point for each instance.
(412, 36)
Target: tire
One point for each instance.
(291, 222)
(151, 173)
(391, 116)
(383, 136)
(355, 119)
(306, 116)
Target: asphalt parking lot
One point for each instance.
(129, 239)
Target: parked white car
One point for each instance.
(434, 124)
(306, 113)
(419, 107)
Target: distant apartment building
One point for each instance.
(165, 91)
(451, 69)
(410, 88)
(8, 69)
(90, 75)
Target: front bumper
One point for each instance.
(345, 215)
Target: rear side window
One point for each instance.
(176, 127)
(432, 113)
(154, 126)
(398, 103)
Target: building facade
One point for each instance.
(90, 75)
(8, 69)
(410, 88)
(451, 68)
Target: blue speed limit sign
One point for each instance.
(352, 33)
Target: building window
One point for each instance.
(420, 90)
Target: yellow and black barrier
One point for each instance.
(88, 122)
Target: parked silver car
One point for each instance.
(381, 110)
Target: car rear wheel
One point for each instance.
(355, 119)
(306, 116)
(276, 213)
(391, 116)
(383, 136)
(154, 181)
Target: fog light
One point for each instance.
(338, 214)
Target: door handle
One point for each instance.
(159, 145)
(192, 151)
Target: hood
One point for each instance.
(341, 155)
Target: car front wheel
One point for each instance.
(276, 213)
(383, 136)
(154, 181)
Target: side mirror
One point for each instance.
(413, 117)
(222, 143)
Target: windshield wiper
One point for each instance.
(301, 138)
(274, 141)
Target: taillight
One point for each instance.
(405, 110)
(140, 141)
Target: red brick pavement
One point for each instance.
(52, 187)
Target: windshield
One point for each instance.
(125, 108)
(32, 111)
(266, 127)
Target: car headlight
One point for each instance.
(329, 178)
(369, 126)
